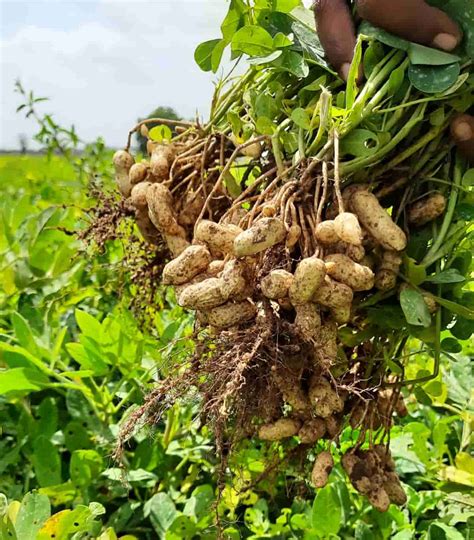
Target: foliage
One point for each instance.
(74, 364)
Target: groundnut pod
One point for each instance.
(204, 295)
(308, 321)
(344, 270)
(122, 162)
(294, 234)
(333, 294)
(427, 209)
(138, 173)
(161, 212)
(192, 261)
(379, 499)
(309, 275)
(281, 429)
(322, 468)
(377, 221)
(215, 267)
(191, 208)
(312, 431)
(326, 232)
(161, 159)
(138, 200)
(263, 234)
(387, 271)
(324, 398)
(347, 228)
(233, 279)
(326, 349)
(393, 488)
(231, 314)
(218, 236)
(276, 284)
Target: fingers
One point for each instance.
(462, 132)
(336, 32)
(413, 20)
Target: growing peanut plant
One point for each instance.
(91, 342)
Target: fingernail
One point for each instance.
(462, 131)
(344, 70)
(447, 42)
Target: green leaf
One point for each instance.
(468, 178)
(160, 133)
(447, 276)
(301, 118)
(281, 41)
(35, 509)
(369, 30)
(203, 54)
(65, 524)
(200, 502)
(252, 40)
(84, 467)
(23, 333)
(161, 510)
(48, 417)
(265, 126)
(419, 54)
(259, 60)
(46, 461)
(326, 513)
(463, 329)
(465, 211)
(414, 307)
(351, 84)
(231, 22)
(372, 56)
(293, 62)
(183, 527)
(21, 380)
(285, 6)
(308, 39)
(216, 56)
(433, 79)
(441, 531)
(451, 345)
(76, 436)
(360, 142)
(89, 326)
(458, 309)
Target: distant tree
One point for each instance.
(160, 112)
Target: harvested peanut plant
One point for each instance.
(317, 229)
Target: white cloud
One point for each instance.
(105, 73)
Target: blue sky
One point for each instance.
(103, 63)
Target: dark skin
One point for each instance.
(413, 20)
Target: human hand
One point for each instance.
(413, 20)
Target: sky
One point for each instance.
(104, 63)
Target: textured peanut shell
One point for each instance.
(264, 234)
(138, 196)
(379, 499)
(231, 314)
(326, 232)
(276, 284)
(218, 236)
(322, 468)
(294, 234)
(326, 349)
(191, 208)
(161, 160)
(233, 279)
(427, 209)
(309, 275)
(123, 161)
(333, 294)
(161, 211)
(215, 267)
(394, 489)
(344, 270)
(377, 221)
(203, 296)
(192, 261)
(347, 228)
(308, 321)
(281, 429)
(312, 431)
(387, 271)
(323, 398)
(138, 173)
